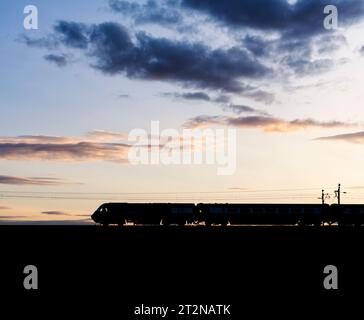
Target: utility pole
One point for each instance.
(338, 193)
(324, 196)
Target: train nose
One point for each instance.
(96, 216)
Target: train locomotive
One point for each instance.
(208, 214)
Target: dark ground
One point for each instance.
(255, 269)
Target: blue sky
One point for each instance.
(269, 69)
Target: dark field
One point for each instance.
(174, 265)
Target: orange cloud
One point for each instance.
(95, 146)
(265, 123)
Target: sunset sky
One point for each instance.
(71, 91)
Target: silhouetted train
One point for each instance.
(223, 214)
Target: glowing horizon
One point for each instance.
(73, 89)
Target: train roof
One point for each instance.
(214, 204)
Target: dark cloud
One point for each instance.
(239, 109)
(304, 18)
(123, 96)
(281, 46)
(72, 34)
(191, 64)
(250, 92)
(362, 50)
(188, 95)
(355, 137)
(149, 12)
(263, 14)
(55, 213)
(292, 34)
(40, 181)
(297, 54)
(257, 45)
(195, 96)
(261, 96)
(222, 99)
(304, 47)
(204, 121)
(69, 33)
(48, 178)
(265, 123)
(58, 59)
(4, 208)
(49, 42)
